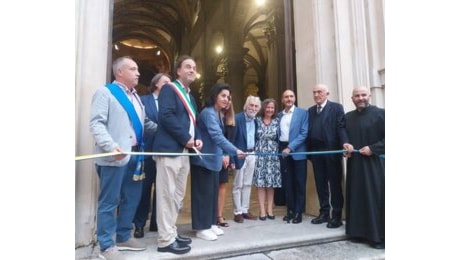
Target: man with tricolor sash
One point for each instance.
(177, 133)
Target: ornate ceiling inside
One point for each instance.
(154, 32)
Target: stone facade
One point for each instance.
(340, 43)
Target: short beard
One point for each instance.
(251, 114)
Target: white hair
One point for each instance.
(250, 99)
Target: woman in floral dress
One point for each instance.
(267, 175)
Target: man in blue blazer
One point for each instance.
(244, 138)
(151, 109)
(177, 133)
(293, 135)
(327, 132)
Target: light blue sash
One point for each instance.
(119, 94)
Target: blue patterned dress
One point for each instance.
(267, 170)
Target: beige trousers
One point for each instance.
(171, 182)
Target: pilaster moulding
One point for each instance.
(343, 41)
(92, 70)
(360, 46)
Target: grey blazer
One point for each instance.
(110, 125)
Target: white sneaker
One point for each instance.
(131, 245)
(218, 231)
(206, 234)
(112, 253)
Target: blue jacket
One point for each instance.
(173, 122)
(239, 138)
(214, 141)
(152, 113)
(298, 131)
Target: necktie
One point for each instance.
(318, 109)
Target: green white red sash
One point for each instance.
(180, 91)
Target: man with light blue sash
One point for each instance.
(117, 123)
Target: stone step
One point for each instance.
(338, 250)
(240, 239)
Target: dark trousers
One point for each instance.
(280, 196)
(144, 207)
(205, 191)
(328, 178)
(294, 181)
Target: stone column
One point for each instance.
(272, 72)
(360, 45)
(236, 69)
(279, 73)
(287, 53)
(376, 38)
(316, 49)
(93, 38)
(305, 58)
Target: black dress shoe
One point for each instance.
(263, 218)
(153, 228)
(183, 240)
(377, 245)
(297, 218)
(357, 240)
(322, 218)
(334, 223)
(139, 232)
(288, 217)
(175, 248)
(271, 217)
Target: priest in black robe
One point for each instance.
(365, 180)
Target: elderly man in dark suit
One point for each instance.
(327, 132)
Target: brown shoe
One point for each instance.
(249, 216)
(239, 218)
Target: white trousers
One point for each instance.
(242, 183)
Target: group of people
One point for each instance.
(266, 148)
